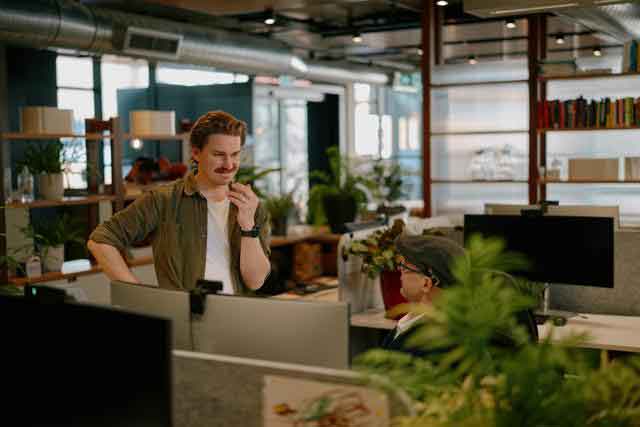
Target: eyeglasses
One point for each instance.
(403, 267)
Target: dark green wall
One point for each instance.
(188, 102)
(323, 130)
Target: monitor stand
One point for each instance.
(559, 317)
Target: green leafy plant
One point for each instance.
(467, 380)
(49, 234)
(378, 250)
(43, 158)
(384, 181)
(252, 174)
(279, 206)
(339, 182)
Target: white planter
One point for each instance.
(54, 259)
(51, 186)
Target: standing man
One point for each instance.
(202, 226)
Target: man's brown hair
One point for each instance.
(216, 123)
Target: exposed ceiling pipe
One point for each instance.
(66, 24)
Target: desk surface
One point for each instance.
(607, 332)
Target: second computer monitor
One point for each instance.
(302, 332)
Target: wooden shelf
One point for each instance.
(162, 137)
(66, 201)
(318, 237)
(49, 277)
(26, 136)
(588, 182)
(546, 130)
(483, 83)
(480, 132)
(133, 191)
(478, 181)
(588, 76)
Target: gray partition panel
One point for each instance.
(623, 299)
(173, 305)
(292, 331)
(221, 391)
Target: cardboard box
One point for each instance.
(593, 169)
(632, 168)
(150, 122)
(47, 120)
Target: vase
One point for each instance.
(339, 209)
(279, 226)
(51, 186)
(390, 285)
(54, 259)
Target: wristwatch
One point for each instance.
(254, 232)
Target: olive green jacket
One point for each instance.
(175, 218)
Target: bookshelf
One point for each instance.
(617, 140)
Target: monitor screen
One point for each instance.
(80, 365)
(562, 249)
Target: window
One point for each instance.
(118, 73)
(195, 76)
(75, 92)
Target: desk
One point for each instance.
(606, 332)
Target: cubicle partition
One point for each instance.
(222, 391)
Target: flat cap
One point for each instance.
(430, 252)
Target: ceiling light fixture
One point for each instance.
(271, 17)
(442, 2)
(420, 52)
(559, 39)
(597, 51)
(472, 60)
(357, 38)
(511, 24)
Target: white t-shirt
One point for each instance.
(218, 261)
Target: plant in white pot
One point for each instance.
(44, 161)
(50, 238)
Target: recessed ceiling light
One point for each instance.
(597, 51)
(511, 24)
(420, 52)
(442, 2)
(270, 17)
(357, 38)
(560, 39)
(472, 60)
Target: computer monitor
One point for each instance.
(78, 365)
(302, 332)
(561, 249)
(558, 210)
(151, 300)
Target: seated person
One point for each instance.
(425, 273)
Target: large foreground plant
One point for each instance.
(469, 381)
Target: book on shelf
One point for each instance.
(631, 57)
(581, 113)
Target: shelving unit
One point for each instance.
(117, 194)
(539, 93)
(92, 198)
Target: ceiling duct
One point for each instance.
(67, 24)
(498, 8)
(622, 21)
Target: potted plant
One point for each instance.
(380, 258)
(44, 161)
(384, 181)
(337, 196)
(469, 381)
(279, 208)
(50, 238)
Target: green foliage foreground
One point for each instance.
(472, 383)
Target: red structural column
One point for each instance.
(427, 20)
